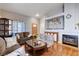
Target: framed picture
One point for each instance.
(55, 23)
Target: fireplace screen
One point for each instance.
(70, 40)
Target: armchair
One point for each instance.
(22, 37)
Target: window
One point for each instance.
(18, 26)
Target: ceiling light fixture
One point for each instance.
(37, 15)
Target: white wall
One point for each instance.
(14, 16)
(58, 10)
(42, 25)
(69, 24)
(33, 20)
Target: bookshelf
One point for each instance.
(5, 27)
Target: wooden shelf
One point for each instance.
(4, 24)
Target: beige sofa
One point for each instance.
(13, 49)
(49, 39)
(3, 47)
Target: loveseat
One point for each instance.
(4, 50)
(47, 38)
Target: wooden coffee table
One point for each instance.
(36, 45)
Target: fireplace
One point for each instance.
(70, 40)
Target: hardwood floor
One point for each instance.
(61, 50)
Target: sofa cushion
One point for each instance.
(21, 35)
(11, 49)
(25, 34)
(42, 36)
(18, 52)
(10, 41)
(2, 46)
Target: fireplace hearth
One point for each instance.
(70, 40)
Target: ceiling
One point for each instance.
(30, 9)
